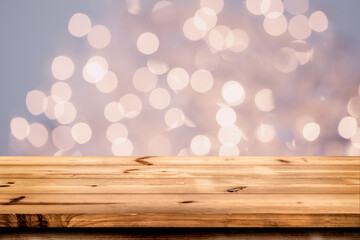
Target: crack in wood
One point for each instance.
(236, 189)
(283, 161)
(187, 202)
(143, 162)
(15, 200)
(5, 185)
(130, 170)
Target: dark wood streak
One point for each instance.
(283, 161)
(14, 200)
(187, 202)
(143, 162)
(5, 185)
(10, 182)
(236, 189)
(130, 170)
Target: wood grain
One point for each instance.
(180, 191)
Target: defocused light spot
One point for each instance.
(201, 81)
(157, 67)
(177, 78)
(133, 6)
(200, 145)
(174, 118)
(229, 135)
(355, 139)
(38, 135)
(258, 7)
(144, 80)
(159, 98)
(299, 27)
(304, 52)
(353, 107)
(265, 133)
(34, 101)
(113, 112)
(81, 132)
(296, 6)
(286, 60)
(61, 92)
(229, 150)
(264, 100)
(48, 106)
(191, 32)
(318, 21)
(99, 36)
(215, 5)
(115, 131)
(226, 117)
(79, 25)
(237, 40)
(19, 128)
(217, 36)
(274, 10)
(233, 93)
(131, 104)
(163, 11)
(159, 145)
(62, 68)
(62, 138)
(122, 147)
(65, 113)
(108, 82)
(95, 69)
(347, 127)
(147, 43)
(311, 131)
(275, 26)
(205, 19)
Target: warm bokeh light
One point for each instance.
(264, 100)
(62, 67)
(201, 81)
(131, 105)
(48, 106)
(275, 26)
(38, 135)
(230, 135)
(273, 8)
(233, 93)
(205, 19)
(99, 36)
(62, 138)
(318, 21)
(95, 69)
(200, 145)
(107, 83)
(114, 111)
(133, 6)
(159, 98)
(177, 78)
(299, 27)
(311, 131)
(237, 40)
(226, 116)
(158, 67)
(353, 106)
(174, 118)
(19, 128)
(191, 31)
(347, 127)
(258, 7)
(144, 80)
(122, 147)
(286, 60)
(115, 131)
(81, 132)
(34, 101)
(61, 92)
(265, 133)
(79, 25)
(148, 43)
(296, 6)
(65, 113)
(216, 5)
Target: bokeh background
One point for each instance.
(181, 77)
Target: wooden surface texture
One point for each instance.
(179, 192)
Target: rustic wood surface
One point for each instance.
(179, 191)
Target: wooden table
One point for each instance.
(179, 192)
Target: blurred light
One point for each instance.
(133, 6)
(264, 100)
(226, 117)
(215, 5)
(217, 37)
(318, 21)
(34, 101)
(229, 150)
(114, 112)
(355, 139)
(200, 145)
(229, 135)
(205, 19)
(60, 92)
(265, 133)
(122, 147)
(108, 82)
(353, 107)
(177, 78)
(115, 131)
(159, 98)
(65, 113)
(304, 52)
(258, 7)
(237, 40)
(157, 67)
(311, 131)
(38, 135)
(286, 60)
(95, 69)
(79, 25)
(233, 93)
(159, 145)
(296, 6)
(147, 43)
(81, 132)
(299, 27)
(19, 128)
(201, 81)
(62, 68)
(144, 80)
(275, 9)
(131, 104)
(162, 11)
(62, 138)
(174, 118)
(347, 127)
(275, 26)
(48, 106)
(99, 36)
(191, 32)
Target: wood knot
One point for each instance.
(236, 189)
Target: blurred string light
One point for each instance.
(214, 87)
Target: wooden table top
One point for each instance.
(180, 191)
